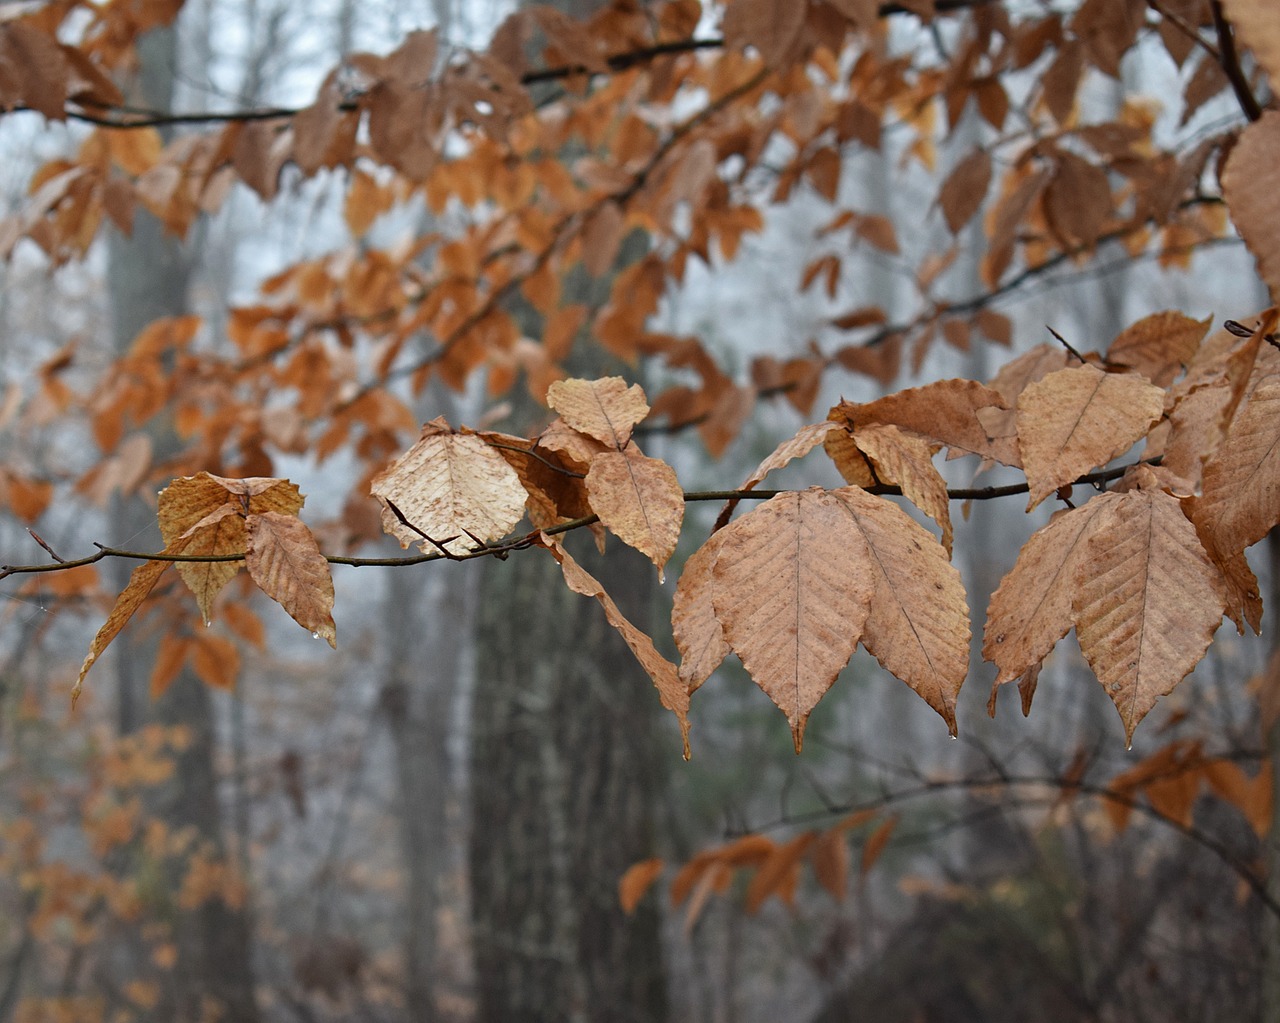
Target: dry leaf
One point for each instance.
(1031, 609)
(450, 487)
(1159, 346)
(1251, 195)
(697, 631)
(965, 188)
(918, 628)
(606, 409)
(776, 875)
(637, 880)
(771, 26)
(1256, 23)
(906, 461)
(792, 589)
(284, 559)
(1241, 498)
(798, 446)
(946, 411)
(830, 859)
(141, 582)
(640, 501)
(1148, 600)
(1080, 418)
(673, 693)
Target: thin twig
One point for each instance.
(1230, 61)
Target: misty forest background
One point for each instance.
(432, 822)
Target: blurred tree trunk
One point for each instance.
(420, 687)
(147, 278)
(562, 771)
(561, 797)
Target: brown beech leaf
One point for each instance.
(698, 634)
(141, 582)
(640, 501)
(262, 493)
(1159, 346)
(215, 659)
(219, 533)
(1241, 483)
(1256, 22)
(208, 512)
(575, 448)
(606, 409)
(906, 460)
(965, 188)
(771, 26)
(1031, 609)
(1148, 600)
(556, 492)
(798, 446)
(792, 589)
(777, 874)
(848, 458)
(285, 561)
(1080, 418)
(637, 880)
(1032, 365)
(918, 628)
(1251, 196)
(830, 859)
(673, 693)
(450, 487)
(945, 411)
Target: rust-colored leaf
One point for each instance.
(1251, 196)
(905, 460)
(452, 488)
(876, 842)
(141, 582)
(1148, 600)
(830, 859)
(215, 660)
(1080, 418)
(698, 634)
(792, 589)
(918, 628)
(965, 188)
(777, 874)
(284, 559)
(673, 693)
(606, 409)
(171, 652)
(640, 501)
(637, 880)
(771, 26)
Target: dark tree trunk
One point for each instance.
(562, 757)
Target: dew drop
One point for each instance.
(315, 635)
(208, 623)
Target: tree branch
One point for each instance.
(1230, 60)
(505, 547)
(1065, 786)
(127, 116)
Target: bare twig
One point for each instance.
(1229, 58)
